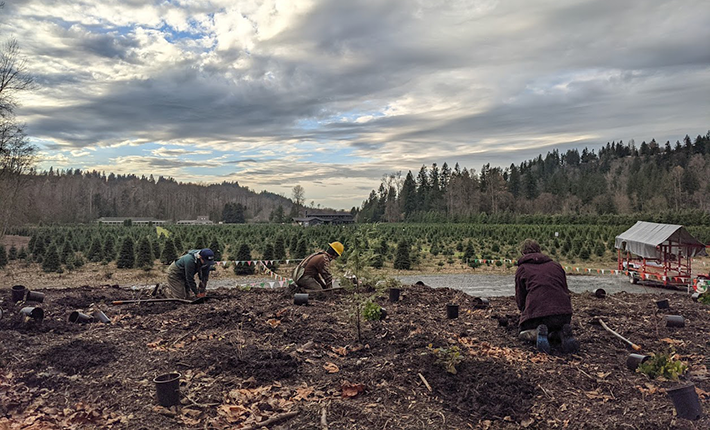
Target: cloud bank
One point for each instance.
(331, 95)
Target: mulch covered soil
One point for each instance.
(246, 357)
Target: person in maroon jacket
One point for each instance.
(544, 300)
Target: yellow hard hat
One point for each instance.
(337, 247)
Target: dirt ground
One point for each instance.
(250, 356)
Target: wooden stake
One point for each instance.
(323, 420)
(424, 381)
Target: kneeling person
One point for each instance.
(181, 274)
(316, 273)
(543, 298)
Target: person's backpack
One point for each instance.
(300, 269)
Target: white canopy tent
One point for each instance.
(650, 240)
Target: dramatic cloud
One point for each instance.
(332, 95)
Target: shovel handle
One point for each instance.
(628, 342)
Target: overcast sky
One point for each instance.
(332, 95)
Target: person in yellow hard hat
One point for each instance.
(316, 274)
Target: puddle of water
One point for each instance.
(504, 285)
(484, 285)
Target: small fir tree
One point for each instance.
(244, 255)
(12, 253)
(401, 259)
(279, 248)
(78, 260)
(22, 255)
(126, 256)
(179, 250)
(383, 248)
(155, 247)
(3, 257)
(217, 249)
(269, 256)
(50, 262)
(96, 252)
(469, 254)
(109, 248)
(39, 250)
(301, 249)
(67, 250)
(377, 261)
(201, 242)
(293, 245)
(169, 254)
(144, 254)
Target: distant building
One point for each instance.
(320, 218)
(134, 220)
(201, 220)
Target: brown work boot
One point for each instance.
(570, 345)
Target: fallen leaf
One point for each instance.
(303, 393)
(190, 421)
(274, 322)
(526, 423)
(343, 351)
(352, 390)
(233, 413)
(331, 367)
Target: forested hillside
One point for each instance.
(618, 179)
(76, 196)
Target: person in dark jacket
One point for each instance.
(181, 275)
(316, 273)
(544, 300)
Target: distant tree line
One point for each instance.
(620, 179)
(72, 195)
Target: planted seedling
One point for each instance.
(449, 358)
(665, 365)
(372, 311)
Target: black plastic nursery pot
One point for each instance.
(80, 318)
(18, 293)
(300, 299)
(686, 402)
(481, 303)
(663, 304)
(452, 311)
(394, 294)
(167, 387)
(101, 317)
(34, 296)
(600, 293)
(675, 321)
(34, 313)
(633, 360)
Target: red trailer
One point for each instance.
(658, 254)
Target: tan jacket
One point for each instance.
(317, 268)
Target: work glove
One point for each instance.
(200, 295)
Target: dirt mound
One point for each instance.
(484, 389)
(78, 356)
(264, 365)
